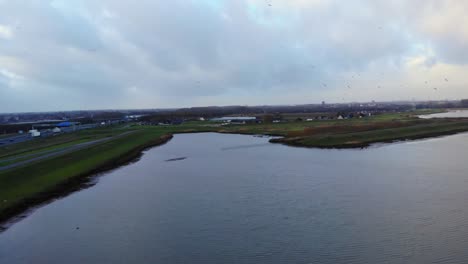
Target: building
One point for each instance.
(235, 119)
(67, 124)
(34, 133)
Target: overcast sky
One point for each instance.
(71, 54)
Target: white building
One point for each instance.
(34, 133)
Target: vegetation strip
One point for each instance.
(22, 190)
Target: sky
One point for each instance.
(119, 54)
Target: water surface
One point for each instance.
(450, 114)
(239, 199)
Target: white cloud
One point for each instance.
(5, 32)
(10, 75)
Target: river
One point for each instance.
(449, 114)
(214, 198)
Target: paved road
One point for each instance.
(26, 137)
(14, 139)
(54, 153)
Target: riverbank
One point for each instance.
(49, 182)
(363, 139)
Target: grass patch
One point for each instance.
(357, 139)
(26, 185)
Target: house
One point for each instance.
(230, 119)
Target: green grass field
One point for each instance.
(19, 185)
(358, 139)
(33, 183)
(42, 144)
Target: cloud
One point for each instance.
(10, 75)
(444, 24)
(149, 54)
(5, 32)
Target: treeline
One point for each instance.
(271, 112)
(91, 116)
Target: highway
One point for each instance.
(44, 133)
(57, 152)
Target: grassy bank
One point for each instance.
(33, 184)
(360, 137)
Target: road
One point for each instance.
(58, 152)
(14, 139)
(44, 133)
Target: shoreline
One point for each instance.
(363, 145)
(21, 210)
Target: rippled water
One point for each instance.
(450, 114)
(236, 199)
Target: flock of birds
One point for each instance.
(380, 87)
(269, 3)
